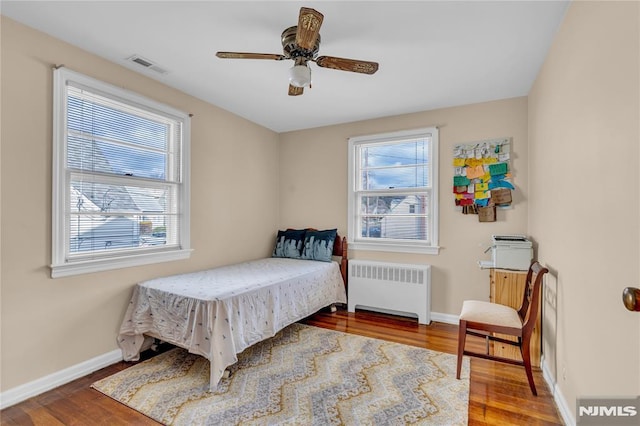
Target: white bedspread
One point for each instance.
(219, 312)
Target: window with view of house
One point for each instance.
(393, 200)
(120, 181)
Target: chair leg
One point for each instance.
(462, 335)
(526, 357)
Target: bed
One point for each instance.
(219, 312)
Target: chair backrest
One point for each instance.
(528, 311)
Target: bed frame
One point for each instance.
(129, 337)
(340, 249)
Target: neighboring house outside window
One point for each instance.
(120, 178)
(393, 198)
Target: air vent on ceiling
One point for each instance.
(146, 63)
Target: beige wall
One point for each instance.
(49, 325)
(583, 209)
(313, 190)
(575, 141)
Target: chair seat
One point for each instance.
(490, 313)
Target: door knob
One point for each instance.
(631, 298)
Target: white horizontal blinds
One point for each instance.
(394, 189)
(123, 174)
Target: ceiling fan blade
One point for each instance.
(353, 65)
(309, 23)
(295, 91)
(248, 55)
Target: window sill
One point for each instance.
(105, 264)
(394, 247)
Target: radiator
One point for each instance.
(390, 287)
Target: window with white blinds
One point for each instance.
(120, 184)
(393, 184)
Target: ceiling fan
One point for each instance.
(301, 44)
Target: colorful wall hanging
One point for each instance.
(482, 178)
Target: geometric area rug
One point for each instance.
(303, 375)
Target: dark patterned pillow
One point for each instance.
(289, 243)
(318, 245)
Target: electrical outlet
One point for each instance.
(564, 373)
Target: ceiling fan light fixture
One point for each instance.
(300, 76)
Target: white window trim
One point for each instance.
(60, 267)
(355, 242)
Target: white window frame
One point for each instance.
(356, 242)
(60, 265)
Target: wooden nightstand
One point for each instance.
(507, 288)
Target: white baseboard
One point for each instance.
(564, 409)
(445, 318)
(561, 402)
(43, 384)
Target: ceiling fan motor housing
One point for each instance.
(292, 50)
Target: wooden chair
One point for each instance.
(483, 319)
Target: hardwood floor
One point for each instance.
(499, 393)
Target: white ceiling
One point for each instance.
(431, 54)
